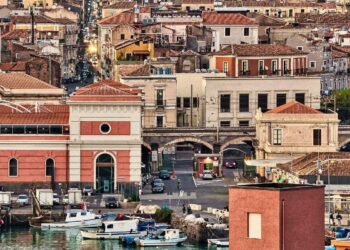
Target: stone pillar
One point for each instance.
(154, 157)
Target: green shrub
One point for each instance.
(163, 215)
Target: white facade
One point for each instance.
(272, 86)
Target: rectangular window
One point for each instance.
(160, 122)
(286, 67)
(254, 226)
(43, 129)
(6, 129)
(246, 32)
(225, 67)
(261, 67)
(56, 129)
(31, 129)
(277, 136)
(243, 123)
(122, 36)
(160, 97)
(313, 64)
(178, 102)
(245, 68)
(300, 48)
(187, 102)
(195, 102)
(267, 12)
(225, 123)
(281, 99)
(274, 66)
(291, 13)
(243, 102)
(227, 31)
(262, 102)
(317, 137)
(300, 97)
(225, 103)
(302, 11)
(18, 129)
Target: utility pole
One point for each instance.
(218, 120)
(191, 122)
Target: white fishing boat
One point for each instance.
(115, 230)
(76, 219)
(172, 237)
(224, 242)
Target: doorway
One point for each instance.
(104, 174)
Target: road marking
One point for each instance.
(194, 181)
(208, 182)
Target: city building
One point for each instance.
(95, 139)
(297, 129)
(37, 3)
(230, 28)
(157, 84)
(233, 102)
(203, 5)
(253, 60)
(273, 216)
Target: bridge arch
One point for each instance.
(187, 139)
(238, 140)
(146, 145)
(342, 143)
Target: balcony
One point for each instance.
(160, 103)
(262, 72)
(302, 71)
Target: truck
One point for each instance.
(74, 197)
(45, 197)
(5, 198)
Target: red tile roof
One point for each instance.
(16, 34)
(294, 107)
(214, 18)
(197, 1)
(40, 19)
(259, 50)
(19, 80)
(121, 5)
(106, 90)
(47, 114)
(120, 18)
(338, 54)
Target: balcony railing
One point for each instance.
(160, 103)
(263, 72)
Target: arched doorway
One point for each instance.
(105, 173)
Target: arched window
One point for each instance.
(13, 167)
(49, 167)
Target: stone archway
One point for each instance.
(187, 139)
(238, 140)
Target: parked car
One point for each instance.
(345, 148)
(158, 188)
(164, 174)
(65, 199)
(56, 199)
(88, 190)
(207, 175)
(23, 199)
(112, 202)
(157, 181)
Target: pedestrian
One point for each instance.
(183, 208)
(339, 218)
(331, 219)
(189, 209)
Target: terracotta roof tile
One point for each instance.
(6, 66)
(47, 114)
(294, 107)
(19, 80)
(143, 70)
(327, 18)
(338, 54)
(106, 90)
(16, 34)
(121, 5)
(41, 19)
(270, 3)
(258, 50)
(197, 1)
(214, 18)
(120, 18)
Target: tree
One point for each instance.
(342, 99)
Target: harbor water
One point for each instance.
(24, 238)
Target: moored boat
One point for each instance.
(76, 219)
(115, 230)
(224, 242)
(172, 237)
